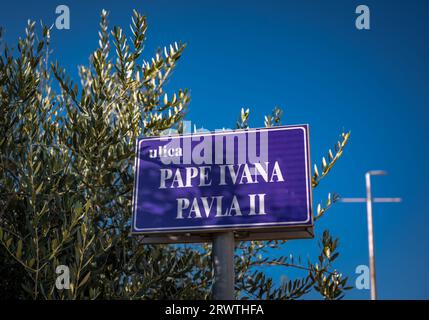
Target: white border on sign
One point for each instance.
(304, 128)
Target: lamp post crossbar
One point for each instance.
(375, 200)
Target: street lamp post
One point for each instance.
(369, 201)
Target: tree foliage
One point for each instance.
(66, 179)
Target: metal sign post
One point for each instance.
(223, 265)
(369, 200)
(218, 187)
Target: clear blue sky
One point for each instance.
(308, 58)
